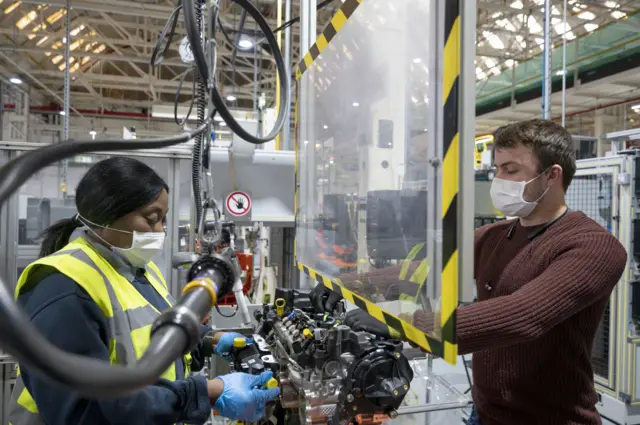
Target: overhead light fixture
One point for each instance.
(306, 142)
(417, 60)
(325, 126)
(231, 98)
(62, 113)
(355, 104)
(245, 43)
(15, 80)
(561, 72)
(93, 134)
(222, 124)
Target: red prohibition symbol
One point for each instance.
(238, 203)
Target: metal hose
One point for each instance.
(197, 147)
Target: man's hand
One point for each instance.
(224, 343)
(323, 299)
(359, 320)
(242, 396)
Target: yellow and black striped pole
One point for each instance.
(450, 173)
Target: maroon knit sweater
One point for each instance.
(540, 303)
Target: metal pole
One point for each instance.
(306, 174)
(67, 94)
(286, 131)
(564, 59)
(67, 64)
(546, 63)
(466, 122)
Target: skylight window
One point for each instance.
(76, 30)
(590, 27)
(587, 16)
(76, 44)
(532, 23)
(493, 39)
(12, 7)
(26, 19)
(618, 14)
(506, 24)
(55, 16)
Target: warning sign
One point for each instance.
(238, 204)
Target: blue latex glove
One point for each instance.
(241, 400)
(225, 344)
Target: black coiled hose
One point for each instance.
(197, 147)
(191, 27)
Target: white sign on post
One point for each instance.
(238, 203)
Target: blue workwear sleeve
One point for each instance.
(65, 314)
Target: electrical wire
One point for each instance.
(176, 102)
(172, 22)
(227, 315)
(191, 28)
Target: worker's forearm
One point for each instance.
(215, 388)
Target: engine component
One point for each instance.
(328, 373)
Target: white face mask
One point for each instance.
(144, 245)
(507, 197)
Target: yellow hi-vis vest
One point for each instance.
(129, 315)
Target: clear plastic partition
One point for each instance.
(370, 154)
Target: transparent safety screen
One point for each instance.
(368, 204)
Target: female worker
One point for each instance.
(98, 295)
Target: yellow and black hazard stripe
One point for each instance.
(450, 184)
(401, 328)
(329, 32)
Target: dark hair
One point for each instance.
(111, 189)
(551, 143)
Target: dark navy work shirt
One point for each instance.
(67, 316)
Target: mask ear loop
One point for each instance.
(89, 224)
(547, 190)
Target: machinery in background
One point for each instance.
(41, 213)
(606, 189)
(336, 234)
(328, 373)
(396, 222)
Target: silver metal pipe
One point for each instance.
(564, 60)
(546, 63)
(286, 131)
(64, 166)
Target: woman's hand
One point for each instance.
(241, 396)
(224, 343)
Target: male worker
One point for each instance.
(543, 282)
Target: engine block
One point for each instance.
(328, 373)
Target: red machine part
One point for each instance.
(246, 265)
